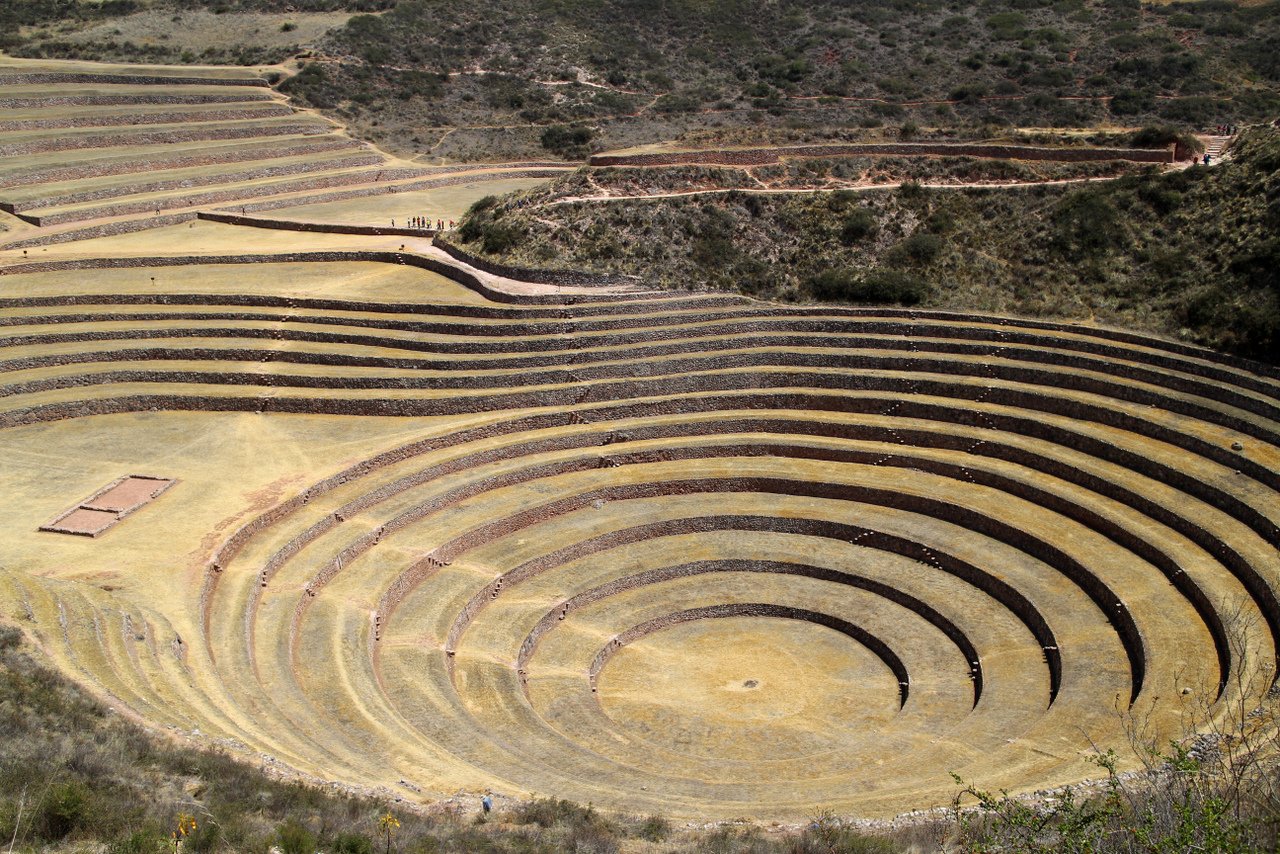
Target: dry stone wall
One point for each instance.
(763, 156)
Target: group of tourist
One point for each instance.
(425, 222)
(1227, 130)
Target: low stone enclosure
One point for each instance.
(763, 156)
(685, 553)
(109, 505)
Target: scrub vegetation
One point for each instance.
(1191, 253)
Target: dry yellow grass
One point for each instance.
(677, 553)
(359, 636)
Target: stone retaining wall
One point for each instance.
(926, 439)
(656, 576)
(43, 77)
(76, 142)
(318, 227)
(763, 156)
(389, 189)
(758, 609)
(210, 197)
(432, 265)
(105, 230)
(559, 369)
(155, 163)
(971, 574)
(265, 109)
(567, 278)
(366, 158)
(101, 100)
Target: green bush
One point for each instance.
(1163, 135)
(146, 841)
(858, 225)
(293, 838)
(1008, 26)
(877, 287)
(567, 141)
(64, 808)
(1127, 102)
(501, 237)
(921, 248)
(352, 843)
(1087, 222)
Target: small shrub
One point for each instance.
(64, 808)
(352, 843)
(941, 221)
(910, 190)
(147, 841)
(1086, 222)
(548, 812)
(921, 248)
(655, 828)
(567, 141)
(827, 835)
(294, 838)
(501, 237)
(877, 287)
(858, 225)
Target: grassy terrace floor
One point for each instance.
(577, 548)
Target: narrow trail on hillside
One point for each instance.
(782, 191)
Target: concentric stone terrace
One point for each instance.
(671, 552)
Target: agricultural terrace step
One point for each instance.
(588, 361)
(448, 270)
(690, 371)
(1078, 406)
(210, 131)
(54, 77)
(378, 189)
(383, 617)
(669, 302)
(157, 157)
(104, 230)
(314, 227)
(992, 328)
(32, 98)
(594, 365)
(112, 186)
(134, 118)
(253, 188)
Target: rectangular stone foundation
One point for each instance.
(105, 508)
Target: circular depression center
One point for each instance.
(750, 688)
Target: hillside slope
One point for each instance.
(1191, 253)
(635, 72)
